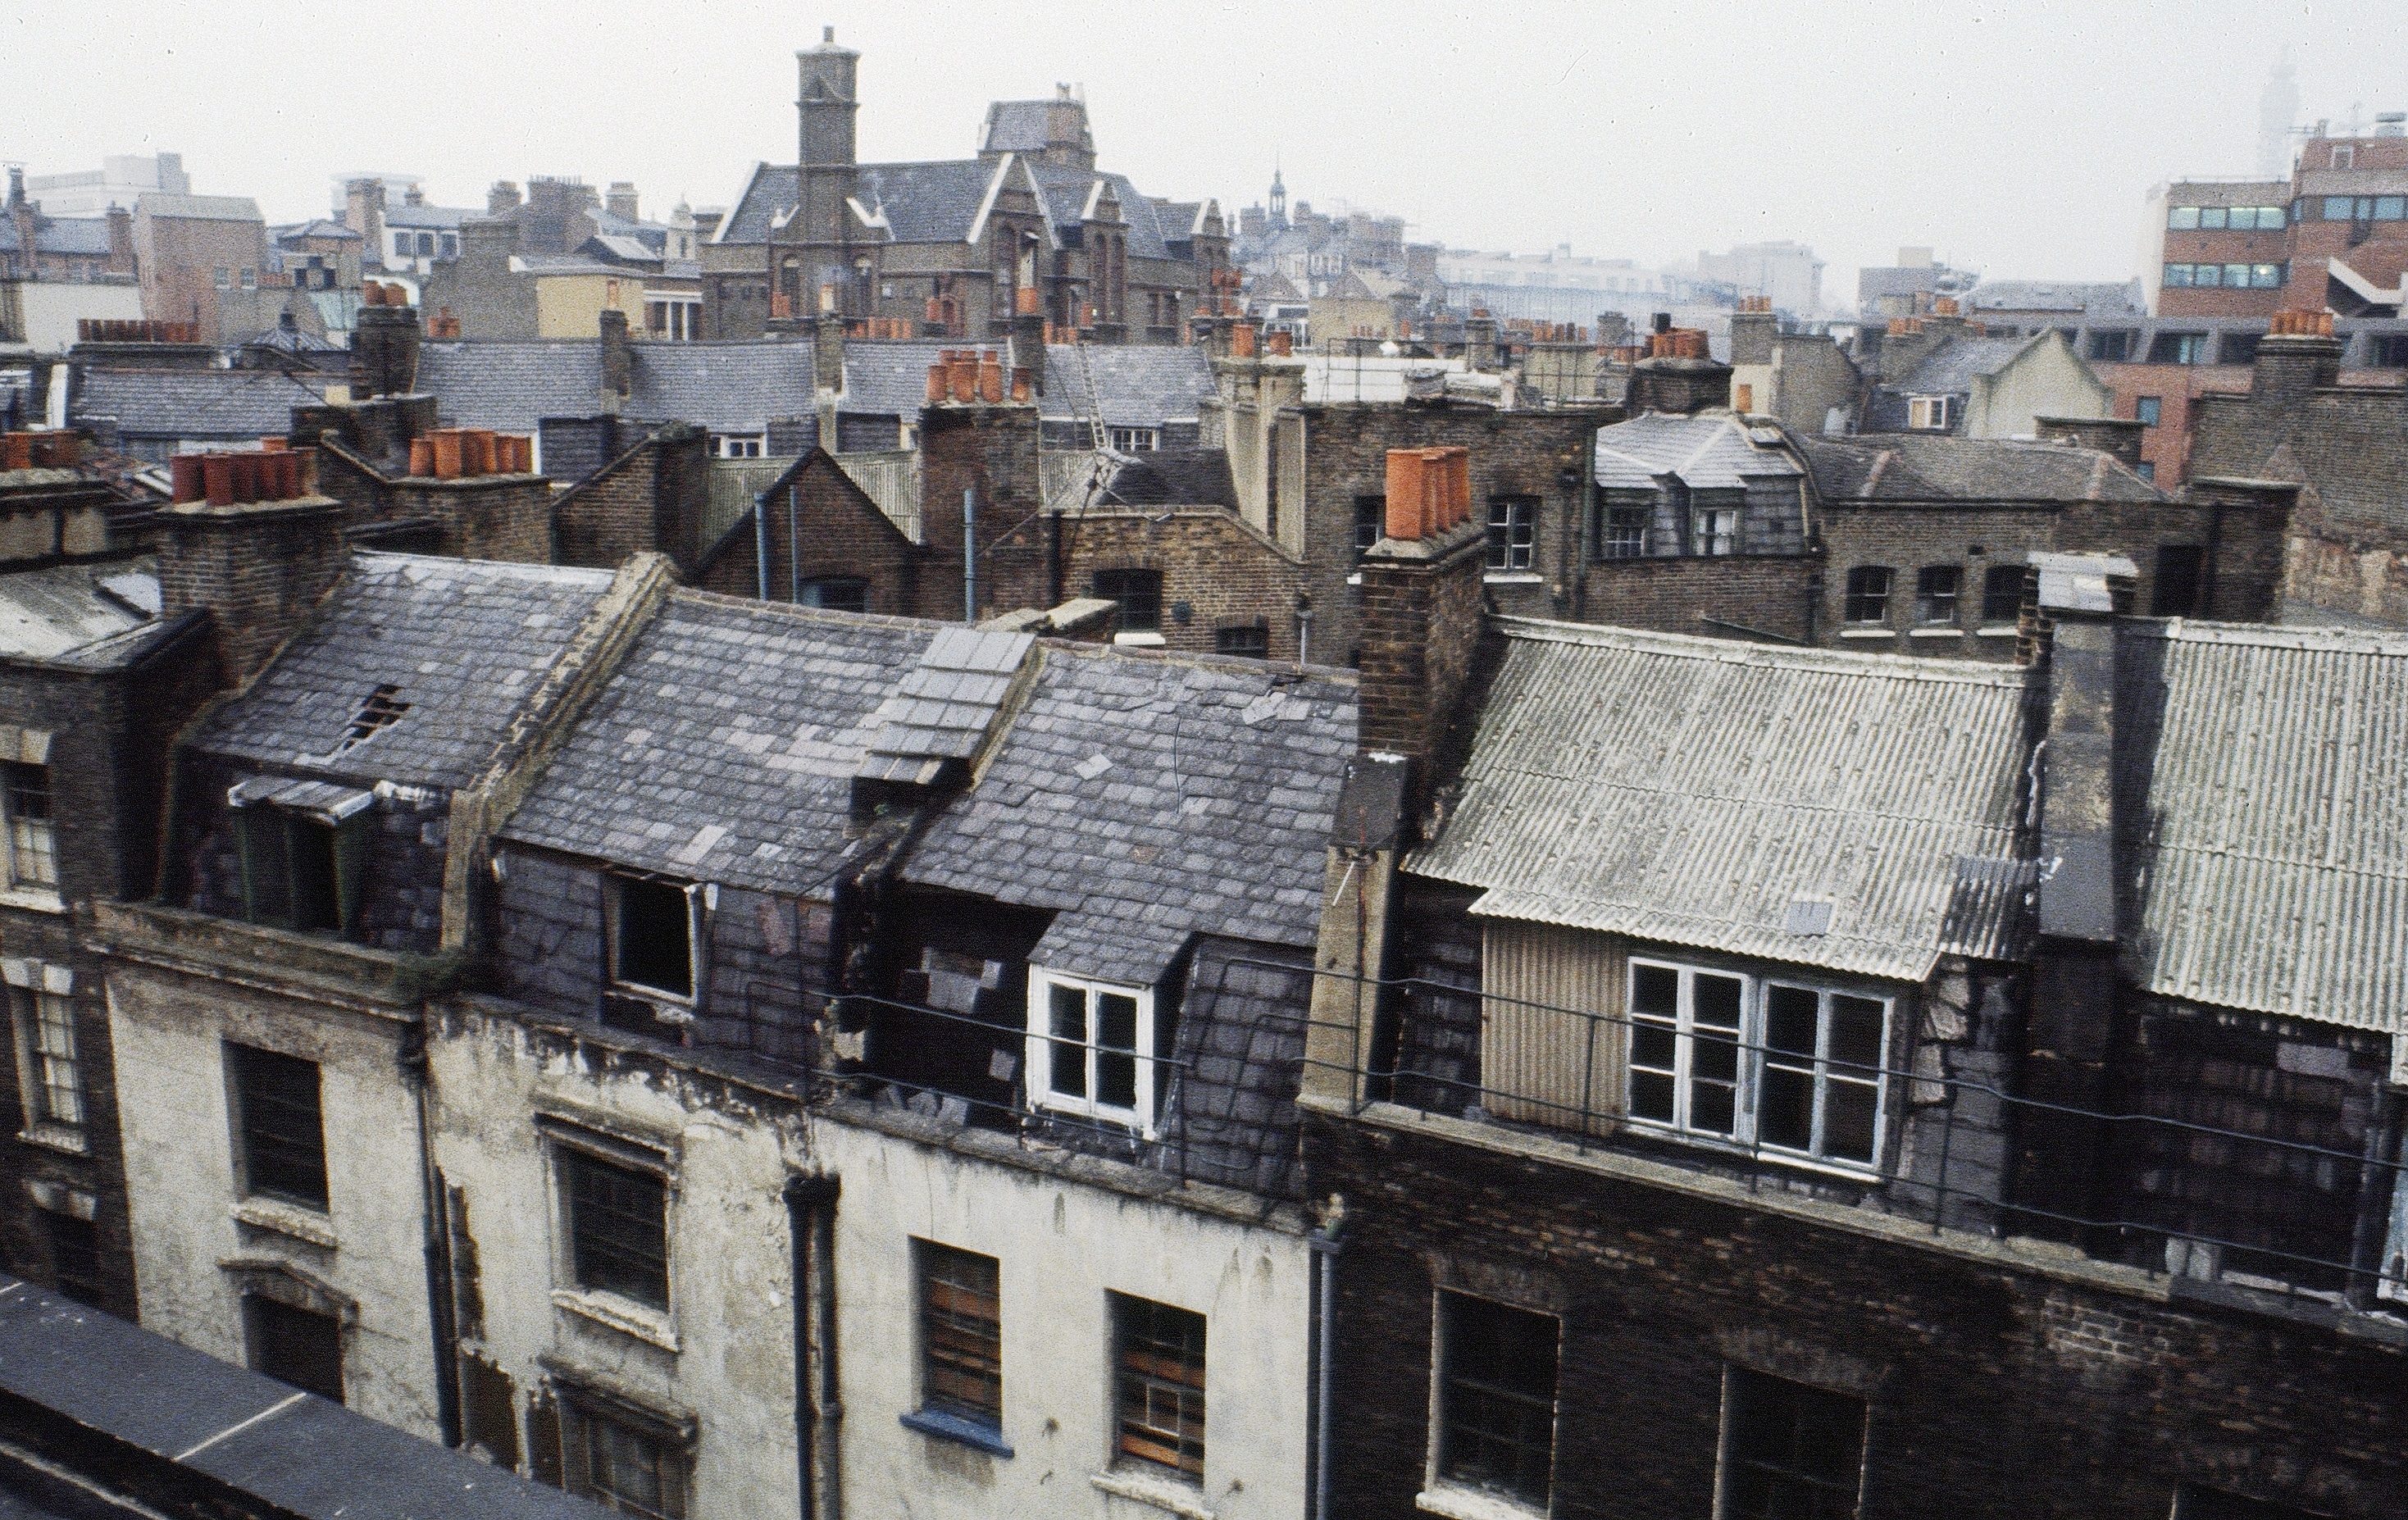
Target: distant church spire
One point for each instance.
(1279, 197)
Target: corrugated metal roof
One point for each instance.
(49, 613)
(2266, 803)
(1690, 790)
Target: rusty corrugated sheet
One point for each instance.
(1690, 790)
(2266, 817)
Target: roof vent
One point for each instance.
(1808, 915)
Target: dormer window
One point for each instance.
(1091, 1049)
(1931, 413)
(652, 930)
(304, 850)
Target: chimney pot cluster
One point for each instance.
(2301, 325)
(969, 377)
(1429, 492)
(127, 330)
(1755, 303)
(272, 473)
(1945, 307)
(376, 293)
(896, 329)
(451, 453)
(60, 447)
(1677, 343)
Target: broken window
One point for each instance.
(652, 938)
(46, 1056)
(1789, 1452)
(1512, 532)
(1140, 595)
(1091, 1048)
(630, 1468)
(1496, 1397)
(75, 1258)
(1370, 522)
(617, 1220)
(1724, 1056)
(1868, 594)
(280, 1131)
(1158, 1394)
(295, 1345)
(961, 1334)
(302, 868)
(32, 842)
(2002, 594)
(1936, 588)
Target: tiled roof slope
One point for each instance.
(2100, 301)
(1690, 790)
(724, 747)
(888, 379)
(1904, 466)
(510, 385)
(1064, 192)
(1136, 385)
(197, 404)
(1231, 1105)
(463, 642)
(93, 616)
(1951, 368)
(2266, 811)
(1150, 799)
(927, 203)
(1709, 451)
(59, 235)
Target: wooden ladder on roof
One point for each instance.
(1097, 436)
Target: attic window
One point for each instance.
(376, 714)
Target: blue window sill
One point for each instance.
(947, 1425)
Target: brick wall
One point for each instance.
(843, 534)
(1993, 1389)
(1420, 627)
(653, 500)
(500, 516)
(1770, 594)
(1226, 574)
(992, 452)
(259, 570)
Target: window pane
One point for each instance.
(2390, 207)
(961, 1332)
(75, 1258)
(1115, 1045)
(31, 847)
(655, 937)
(315, 904)
(295, 1345)
(2177, 273)
(1651, 1093)
(1848, 1113)
(2181, 217)
(2148, 410)
(1715, 1001)
(1498, 1415)
(282, 1138)
(1869, 593)
(2210, 216)
(2337, 208)
(1856, 1030)
(58, 1085)
(1068, 1053)
(1785, 1108)
(1370, 522)
(838, 594)
(1790, 1019)
(1159, 1385)
(631, 1472)
(2002, 593)
(1655, 990)
(617, 1228)
(1935, 593)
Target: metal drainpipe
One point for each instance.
(1325, 1245)
(794, 546)
(761, 541)
(441, 1312)
(970, 555)
(819, 1411)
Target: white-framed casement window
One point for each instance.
(1934, 413)
(1715, 531)
(1778, 1063)
(1091, 1049)
(1134, 440)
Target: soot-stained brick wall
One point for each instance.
(843, 535)
(1993, 1389)
(1226, 575)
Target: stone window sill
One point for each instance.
(286, 1219)
(1139, 640)
(1170, 1495)
(55, 1137)
(1868, 633)
(1473, 1504)
(1996, 630)
(35, 899)
(608, 1309)
(946, 1425)
(1512, 578)
(1936, 633)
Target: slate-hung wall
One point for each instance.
(2093, 1394)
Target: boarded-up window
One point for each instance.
(1551, 1050)
(1159, 1385)
(961, 1333)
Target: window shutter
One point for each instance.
(350, 867)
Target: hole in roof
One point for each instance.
(376, 714)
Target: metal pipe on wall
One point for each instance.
(1325, 1245)
(819, 1411)
(969, 555)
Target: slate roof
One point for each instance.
(2087, 299)
(510, 385)
(463, 642)
(945, 706)
(1689, 791)
(724, 746)
(887, 378)
(196, 404)
(1231, 1101)
(773, 188)
(2265, 812)
(1173, 477)
(1709, 451)
(927, 203)
(1951, 368)
(116, 1386)
(1062, 193)
(1905, 467)
(1149, 798)
(152, 203)
(90, 616)
(1017, 126)
(1137, 386)
(403, 214)
(282, 339)
(58, 234)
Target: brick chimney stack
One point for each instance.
(384, 346)
(1421, 613)
(2298, 356)
(618, 362)
(503, 198)
(257, 565)
(621, 199)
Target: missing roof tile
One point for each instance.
(375, 715)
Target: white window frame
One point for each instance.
(1134, 440)
(47, 990)
(1044, 1049)
(1715, 531)
(740, 445)
(11, 823)
(1921, 410)
(697, 901)
(1753, 1057)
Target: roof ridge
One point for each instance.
(1698, 646)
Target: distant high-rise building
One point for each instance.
(2277, 109)
(120, 181)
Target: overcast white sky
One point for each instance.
(2018, 139)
